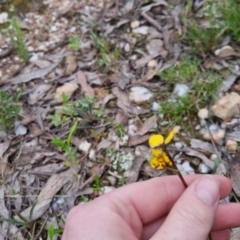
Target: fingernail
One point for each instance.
(207, 189)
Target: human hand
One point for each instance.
(159, 208)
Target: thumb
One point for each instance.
(192, 215)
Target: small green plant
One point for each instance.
(110, 151)
(52, 231)
(184, 71)
(67, 148)
(176, 111)
(121, 181)
(229, 10)
(82, 108)
(108, 55)
(206, 87)
(9, 110)
(96, 187)
(120, 130)
(74, 43)
(17, 39)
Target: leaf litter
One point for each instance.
(96, 86)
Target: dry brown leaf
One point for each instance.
(40, 73)
(147, 125)
(86, 88)
(38, 93)
(194, 153)
(3, 147)
(68, 89)
(71, 64)
(136, 140)
(53, 185)
(226, 51)
(101, 93)
(235, 174)
(9, 230)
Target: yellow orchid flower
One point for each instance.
(159, 158)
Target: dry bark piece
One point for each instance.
(148, 125)
(68, 89)
(71, 64)
(86, 88)
(235, 174)
(40, 73)
(53, 185)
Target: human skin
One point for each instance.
(160, 208)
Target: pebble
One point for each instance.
(227, 106)
(33, 58)
(141, 30)
(112, 180)
(72, 29)
(140, 94)
(154, 46)
(3, 17)
(187, 168)
(179, 145)
(231, 146)
(202, 168)
(127, 47)
(135, 24)
(92, 155)
(53, 29)
(203, 113)
(180, 90)
(155, 106)
(84, 146)
(152, 64)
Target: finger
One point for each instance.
(192, 215)
(227, 216)
(221, 235)
(154, 198)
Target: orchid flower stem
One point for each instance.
(175, 167)
(181, 177)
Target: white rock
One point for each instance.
(202, 168)
(155, 46)
(152, 64)
(84, 146)
(92, 154)
(179, 145)
(155, 106)
(34, 57)
(180, 167)
(203, 113)
(180, 90)
(19, 129)
(3, 17)
(72, 29)
(227, 106)
(141, 30)
(53, 28)
(135, 24)
(127, 47)
(140, 94)
(187, 168)
(231, 146)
